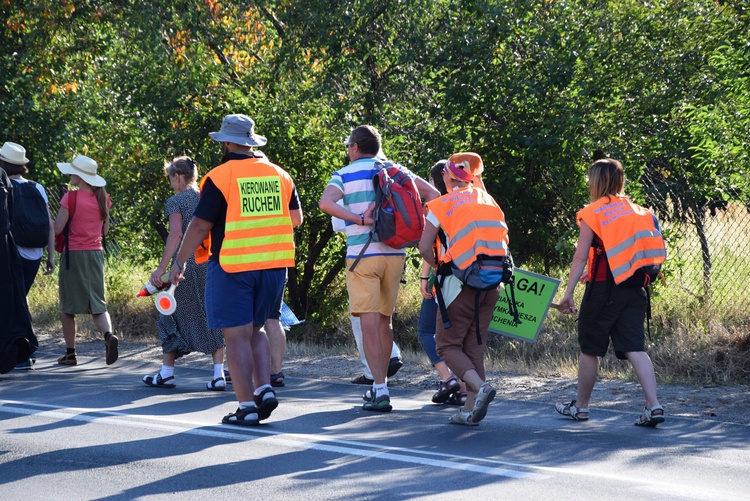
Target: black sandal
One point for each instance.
(277, 380)
(243, 417)
(68, 359)
(445, 390)
(457, 398)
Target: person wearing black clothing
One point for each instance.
(17, 339)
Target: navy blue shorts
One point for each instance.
(248, 297)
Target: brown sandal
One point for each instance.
(68, 359)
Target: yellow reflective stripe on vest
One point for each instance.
(275, 256)
(257, 241)
(248, 224)
(493, 247)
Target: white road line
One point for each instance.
(292, 440)
(361, 449)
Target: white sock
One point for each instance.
(218, 371)
(245, 405)
(380, 389)
(260, 389)
(166, 371)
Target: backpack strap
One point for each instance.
(648, 312)
(598, 251)
(361, 253)
(443, 271)
(476, 316)
(71, 209)
(439, 279)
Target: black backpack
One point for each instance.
(30, 217)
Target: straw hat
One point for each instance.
(85, 168)
(13, 153)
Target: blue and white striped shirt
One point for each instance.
(355, 182)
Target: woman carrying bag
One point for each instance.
(81, 281)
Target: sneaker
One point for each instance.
(243, 417)
(68, 359)
(362, 380)
(266, 403)
(394, 365)
(26, 365)
(379, 404)
(445, 390)
(110, 343)
(485, 395)
(463, 418)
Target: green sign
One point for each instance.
(533, 295)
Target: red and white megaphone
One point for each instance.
(150, 289)
(165, 301)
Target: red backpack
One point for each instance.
(399, 216)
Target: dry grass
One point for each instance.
(690, 342)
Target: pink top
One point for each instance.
(86, 222)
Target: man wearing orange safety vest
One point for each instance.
(245, 218)
(474, 225)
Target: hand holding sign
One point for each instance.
(533, 297)
(564, 309)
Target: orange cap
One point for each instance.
(468, 161)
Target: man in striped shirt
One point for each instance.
(373, 284)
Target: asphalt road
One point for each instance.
(97, 432)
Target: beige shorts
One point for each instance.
(373, 285)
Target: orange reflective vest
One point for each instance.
(473, 224)
(258, 232)
(629, 233)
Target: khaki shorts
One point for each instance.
(373, 285)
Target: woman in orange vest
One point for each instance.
(473, 224)
(616, 239)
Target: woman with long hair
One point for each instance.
(81, 281)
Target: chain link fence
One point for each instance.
(708, 260)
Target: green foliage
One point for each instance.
(533, 87)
